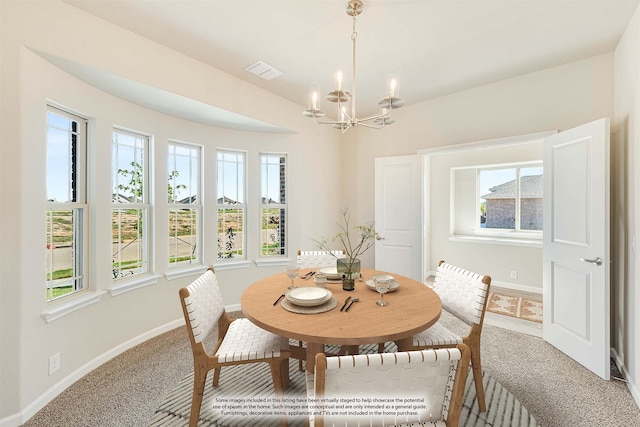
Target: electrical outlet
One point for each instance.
(514, 274)
(54, 363)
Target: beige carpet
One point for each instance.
(521, 307)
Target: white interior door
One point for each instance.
(397, 215)
(576, 244)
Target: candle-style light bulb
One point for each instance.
(392, 88)
(314, 100)
(339, 78)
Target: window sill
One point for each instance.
(127, 285)
(493, 240)
(231, 265)
(269, 262)
(74, 304)
(179, 272)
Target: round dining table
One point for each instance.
(412, 308)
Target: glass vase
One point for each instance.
(349, 271)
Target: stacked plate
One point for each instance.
(371, 283)
(308, 296)
(331, 273)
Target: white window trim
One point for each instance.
(274, 261)
(198, 207)
(81, 204)
(278, 259)
(146, 206)
(136, 282)
(59, 310)
(231, 263)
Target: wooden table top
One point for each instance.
(412, 308)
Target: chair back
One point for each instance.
(463, 293)
(317, 259)
(202, 306)
(430, 382)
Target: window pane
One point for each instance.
(272, 179)
(63, 255)
(128, 168)
(183, 226)
(498, 195)
(183, 174)
(128, 244)
(230, 233)
(531, 198)
(272, 232)
(230, 178)
(61, 154)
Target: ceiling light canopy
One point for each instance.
(346, 101)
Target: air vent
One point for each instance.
(262, 70)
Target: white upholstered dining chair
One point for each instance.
(318, 259)
(239, 341)
(435, 378)
(464, 294)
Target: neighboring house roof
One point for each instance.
(120, 198)
(530, 188)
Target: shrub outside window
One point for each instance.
(131, 204)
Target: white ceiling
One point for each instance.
(437, 46)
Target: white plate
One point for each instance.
(372, 285)
(331, 272)
(308, 296)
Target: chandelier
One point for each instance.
(347, 116)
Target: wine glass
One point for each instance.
(382, 286)
(292, 272)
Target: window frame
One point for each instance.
(282, 206)
(77, 204)
(516, 232)
(145, 206)
(194, 205)
(241, 189)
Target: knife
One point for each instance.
(345, 303)
(278, 300)
(308, 275)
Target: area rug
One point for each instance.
(245, 390)
(526, 308)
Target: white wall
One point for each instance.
(497, 260)
(558, 98)
(92, 334)
(625, 196)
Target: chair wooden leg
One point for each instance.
(381, 347)
(476, 367)
(277, 377)
(199, 380)
(300, 366)
(284, 373)
(216, 376)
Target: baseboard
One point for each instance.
(633, 389)
(517, 287)
(32, 408)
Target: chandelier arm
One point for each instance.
(372, 126)
(376, 116)
(327, 122)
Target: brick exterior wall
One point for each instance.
(500, 214)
